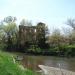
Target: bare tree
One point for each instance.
(71, 22)
(25, 22)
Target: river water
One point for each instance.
(32, 62)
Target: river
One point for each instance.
(32, 62)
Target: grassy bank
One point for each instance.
(8, 67)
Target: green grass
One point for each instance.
(7, 67)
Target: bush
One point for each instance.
(65, 50)
(71, 50)
(3, 46)
(68, 50)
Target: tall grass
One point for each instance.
(8, 67)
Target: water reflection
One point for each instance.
(32, 62)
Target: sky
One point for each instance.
(52, 12)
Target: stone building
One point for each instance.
(31, 34)
(27, 34)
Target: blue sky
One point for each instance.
(52, 12)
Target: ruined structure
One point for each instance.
(27, 34)
(32, 34)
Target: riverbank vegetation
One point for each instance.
(58, 43)
(8, 67)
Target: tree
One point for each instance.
(55, 37)
(2, 40)
(71, 22)
(25, 23)
(10, 29)
(71, 37)
(9, 19)
(57, 42)
(41, 34)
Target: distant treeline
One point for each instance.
(37, 39)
